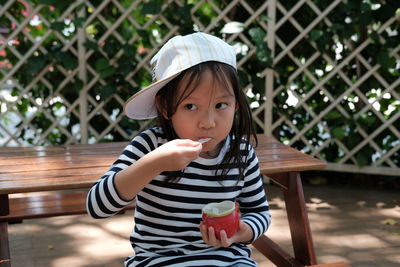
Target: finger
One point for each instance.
(203, 231)
(187, 143)
(212, 239)
(224, 239)
(190, 150)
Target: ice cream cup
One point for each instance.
(224, 215)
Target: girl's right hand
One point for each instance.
(177, 154)
(172, 156)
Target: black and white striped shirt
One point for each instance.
(168, 214)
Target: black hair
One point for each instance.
(242, 127)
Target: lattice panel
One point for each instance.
(343, 81)
(35, 109)
(66, 73)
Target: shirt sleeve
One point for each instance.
(103, 199)
(252, 201)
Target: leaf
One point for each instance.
(333, 115)
(66, 60)
(91, 29)
(58, 26)
(315, 35)
(374, 37)
(264, 53)
(258, 84)
(335, 28)
(36, 64)
(107, 72)
(145, 36)
(101, 64)
(389, 222)
(264, 17)
(89, 45)
(106, 91)
(257, 34)
(243, 78)
(151, 8)
(338, 133)
(384, 60)
(361, 159)
(129, 51)
(126, 32)
(368, 120)
(125, 67)
(110, 48)
(104, 68)
(184, 15)
(60, 5)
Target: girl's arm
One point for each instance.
(253, 201)
(172, 156)
(140, 162)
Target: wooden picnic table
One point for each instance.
(60, 168)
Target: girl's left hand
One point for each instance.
(243, 234)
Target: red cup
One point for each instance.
(229, 222)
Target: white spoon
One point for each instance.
(204, 140)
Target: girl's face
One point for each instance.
(206, 112)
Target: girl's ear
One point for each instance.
(236, 106)
(160, 108)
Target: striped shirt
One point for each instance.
(168, 214)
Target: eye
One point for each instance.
(191, 106)
(221, 105)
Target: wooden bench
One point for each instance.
(48, 205)
(77, 167)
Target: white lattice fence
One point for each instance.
(349, 102)
(67, 72)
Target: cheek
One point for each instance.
(182, 126)
(229, 116)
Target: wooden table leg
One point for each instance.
(4, 248)
(298, 220)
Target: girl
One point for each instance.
(200, 153)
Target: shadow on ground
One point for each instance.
(358, 226)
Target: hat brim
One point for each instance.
(142, 106)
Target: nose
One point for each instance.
(207, 119)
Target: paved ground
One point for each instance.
(361, 227)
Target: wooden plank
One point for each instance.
(48, 184)
(76, 163)
(289, 166)
(77, 147)
(48, 205)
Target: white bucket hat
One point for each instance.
(177, 55)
